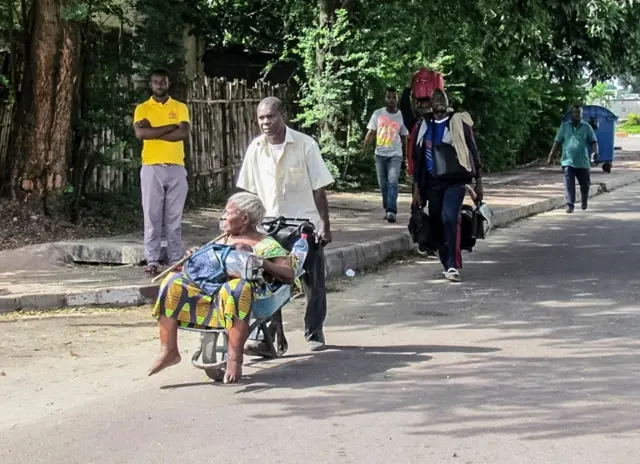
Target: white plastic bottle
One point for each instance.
(300, 250)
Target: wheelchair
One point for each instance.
(266, 312)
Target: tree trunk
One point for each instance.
(43, 121)
(36, 148)
(327, 10)
(67, 78)
(327, 15)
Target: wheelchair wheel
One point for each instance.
(209, 356)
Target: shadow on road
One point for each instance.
(348, 365)
(337, 365)
(561, 292)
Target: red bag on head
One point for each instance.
(425, 82)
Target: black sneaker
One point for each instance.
(391, 218)
(585, 205)
(257, 348)
(570, 209)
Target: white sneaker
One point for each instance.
(453, 275)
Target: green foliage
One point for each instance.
(515, 66)
(491, 60)
(160, 29)
(600, 94)
(630, 82)
(631, 129)
(632, 120)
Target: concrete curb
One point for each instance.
(358, 257)
(619, 182)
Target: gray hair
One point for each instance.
(249, 204)
(272, 102)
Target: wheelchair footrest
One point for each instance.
(200, 365)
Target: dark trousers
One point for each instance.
(445, 205)
(313, 283)
(584, 179)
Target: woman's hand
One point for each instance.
(280, 269)
(243, 247)
(479, 189)
(191, 251)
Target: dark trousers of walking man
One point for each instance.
(445, 204)
(584, 179)
(313, 284)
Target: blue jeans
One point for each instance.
(445, 205)
(584, 179)
(388, 169)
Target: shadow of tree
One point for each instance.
(559, 297)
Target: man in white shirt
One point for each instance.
(387, 127)
(286, 170)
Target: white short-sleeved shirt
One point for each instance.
(285, 183)
(389, 128)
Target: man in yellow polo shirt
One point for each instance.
(162, 124)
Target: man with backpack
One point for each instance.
(387, 127)
(421, 85)
(446, 159)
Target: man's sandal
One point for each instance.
(151, 270)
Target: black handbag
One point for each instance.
(420, 229)
(446, 165)
(467, 236)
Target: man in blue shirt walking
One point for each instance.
(575, 137)
(445, 196)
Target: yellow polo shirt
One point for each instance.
(162, 114)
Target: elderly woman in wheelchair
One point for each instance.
(189, 300)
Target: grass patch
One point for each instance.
(629, 129)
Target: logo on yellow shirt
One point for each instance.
(173, 115)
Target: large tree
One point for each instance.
(45, 103)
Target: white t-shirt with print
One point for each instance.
(389, 128)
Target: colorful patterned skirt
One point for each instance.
(182, 300)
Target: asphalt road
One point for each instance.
(533, 359)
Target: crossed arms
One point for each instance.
(168, 133)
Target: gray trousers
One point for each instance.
(313, 283)
(164, 192)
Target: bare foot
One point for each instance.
(238, 335)
(233, 372)
(166, 359)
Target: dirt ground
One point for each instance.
(21, 226)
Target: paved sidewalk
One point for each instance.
(48, 276)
